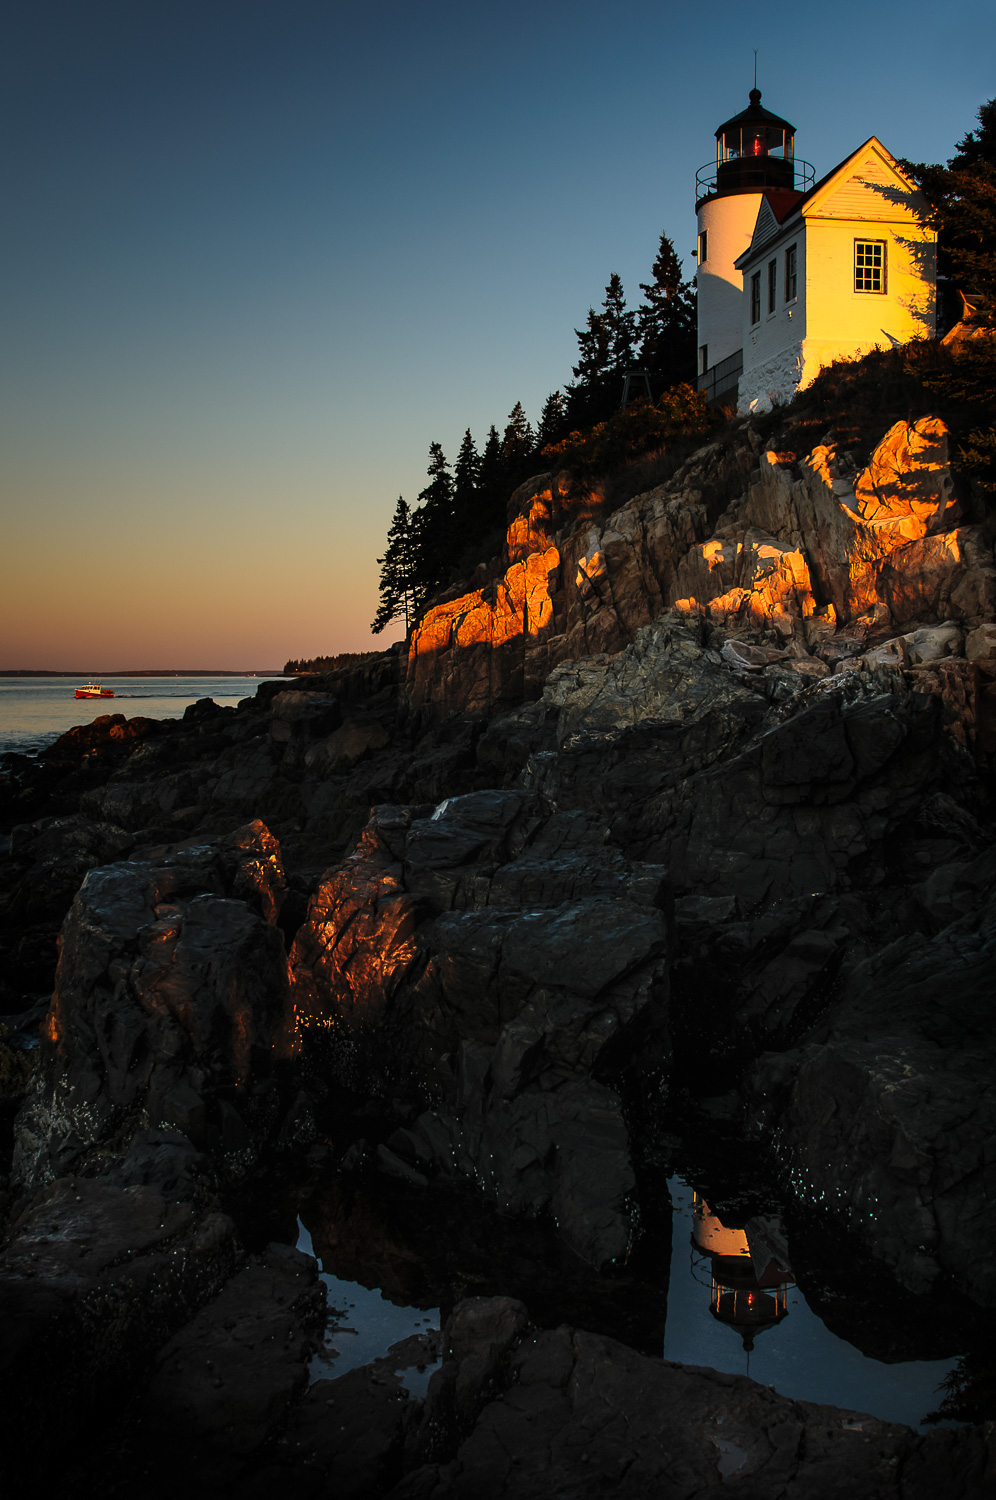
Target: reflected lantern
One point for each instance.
(749, 1277)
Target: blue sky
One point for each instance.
(258, 255)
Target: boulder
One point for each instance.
(225, 1381)
(170, 1006)
(93, 1279)
(419, 972)
(578, 1414)
(884, 1115)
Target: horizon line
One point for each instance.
(145, 672)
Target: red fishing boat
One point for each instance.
(94, 690)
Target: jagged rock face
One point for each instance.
(880, 543)
(93, 1278)
(170, 1001)
(887, 1108)
(480, 958)
(808, 548)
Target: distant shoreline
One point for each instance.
(148, 672)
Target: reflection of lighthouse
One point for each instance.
(748, 1268)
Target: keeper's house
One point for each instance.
(792, 274)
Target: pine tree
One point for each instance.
(518, 441)
(398, 585)
(605, 349)
(553, 424)
(466, 476)
(665, 322)
(434, 527)
(594, 343)
(518, 449)
(493, 490)
(962, 198)
(962, 208)
(621, 325)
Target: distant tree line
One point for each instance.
(325, 664)
(459, 517)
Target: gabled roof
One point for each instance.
(774, 208)
(808, 205)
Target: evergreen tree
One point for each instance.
(434, 527)
(398, 584)
(605, 350)
(621, 325)
(491, 482)
(594, 343)
(518, 440)
(466, 496)
(466, 472)
(665, 322)
(962, 199)
(553, 423)
(518, 449)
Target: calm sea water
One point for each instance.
(34, 711)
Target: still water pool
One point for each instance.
(395, 1265)
(798, 1355)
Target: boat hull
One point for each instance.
(95, 692)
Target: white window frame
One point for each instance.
(755, 299)
(870, 264)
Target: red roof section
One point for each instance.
(782, 201)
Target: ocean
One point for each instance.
(34, 711)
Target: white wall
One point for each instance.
(839, 316)
(729, 224)
(771, 347)
(829, 319)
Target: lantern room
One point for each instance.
(754, 150)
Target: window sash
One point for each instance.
(772, 285)
(755, 298)
(869, 265)
(791, 272)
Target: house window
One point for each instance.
(772, 284)
(755, 298)
(791, 277)
(703, 247)
(869, 265)
(703, 359)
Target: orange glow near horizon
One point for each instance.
(179, 595)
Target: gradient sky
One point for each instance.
(258, 254)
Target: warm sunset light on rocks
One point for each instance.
(497, 749)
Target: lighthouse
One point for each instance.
(755, 158)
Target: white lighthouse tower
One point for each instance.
(755, 158)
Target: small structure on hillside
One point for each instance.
(793, 274)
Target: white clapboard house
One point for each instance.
(794, 273)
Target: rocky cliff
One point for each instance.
(693, 799)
